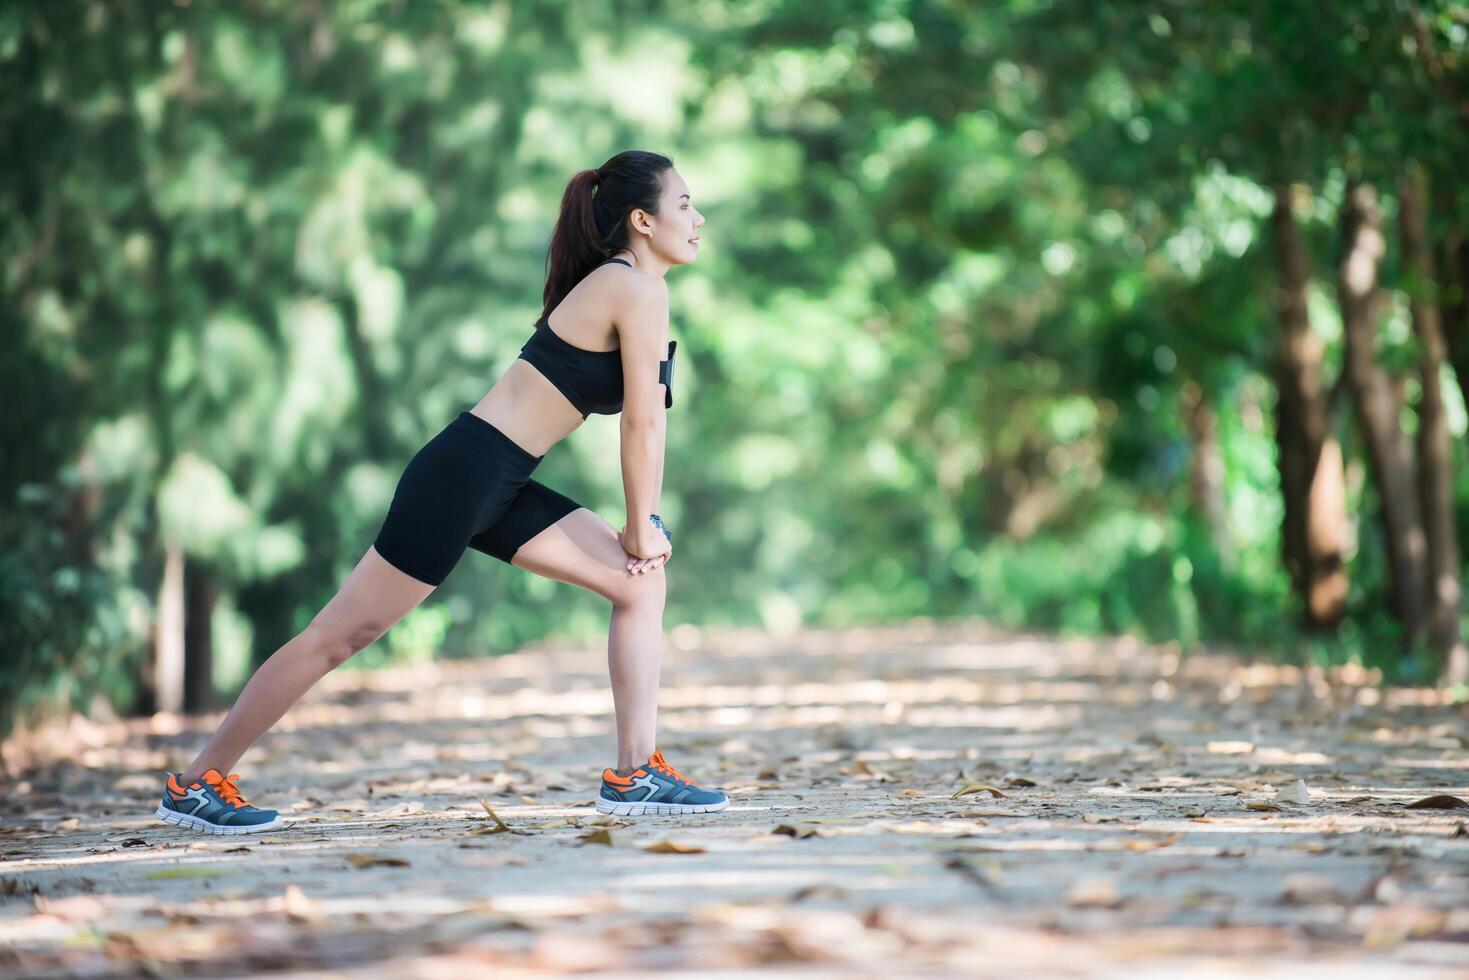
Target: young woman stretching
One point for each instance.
(621, 228)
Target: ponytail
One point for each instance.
(593, 220)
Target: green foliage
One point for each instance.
(960, 267)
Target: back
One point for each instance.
(590, 380)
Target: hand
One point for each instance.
(647, 548)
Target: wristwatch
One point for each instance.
(658, 523)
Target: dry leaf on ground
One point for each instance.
(670, 847)
(796, 830)
(360, 860)
(1150, 843)
(1442, 801)
(1297, 793)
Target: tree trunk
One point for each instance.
(1206, 471)
(1453, 274)
(1435, 451)
(168, 636)
(1309, 458)
(1389, 453)
(200, 595)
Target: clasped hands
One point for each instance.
(647, 547)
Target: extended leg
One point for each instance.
(375, 596)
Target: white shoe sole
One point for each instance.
(652, 809)
(190, 822)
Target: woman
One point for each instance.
(621, 228)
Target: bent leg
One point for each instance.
(582, 549)
(375, 596)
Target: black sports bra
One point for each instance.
(590, 379)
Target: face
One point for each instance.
(675, 231)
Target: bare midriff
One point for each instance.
(527, 407)
(530, 410)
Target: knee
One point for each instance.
(641, 591)
(333, 647)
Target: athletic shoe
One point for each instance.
(214, 806)
(655, 788)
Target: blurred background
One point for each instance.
(1081, 316)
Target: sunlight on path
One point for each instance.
(949, 799)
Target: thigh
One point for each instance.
(583, 549)
(453, 486)
(534, 508)
(375, 596)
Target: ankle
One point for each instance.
(628, 771)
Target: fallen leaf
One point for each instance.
(500, 826)
(599, 836)
(1150, 844)
(1230, 748)
(796, 831)
(296, 905)
(670, 847)
(1297, 792)
(1263, 806)
(976, 788)
(981, 871)
(607, 820)
(1440, 802)
(553, 824)
(188, 871)
(359, 860)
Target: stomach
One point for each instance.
(530, 410)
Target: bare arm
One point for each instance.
(662, 452)
(641, 330)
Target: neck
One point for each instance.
(642, 258)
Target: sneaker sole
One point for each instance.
(190, 822)
(651, 809)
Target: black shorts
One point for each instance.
(469, 486)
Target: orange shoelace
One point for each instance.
(657, 761)
(227, 789)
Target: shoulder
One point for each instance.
(639, 297)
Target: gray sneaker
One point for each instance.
(214, 806)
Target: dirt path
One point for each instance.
(1133, 829)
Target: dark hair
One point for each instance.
(593, 221)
